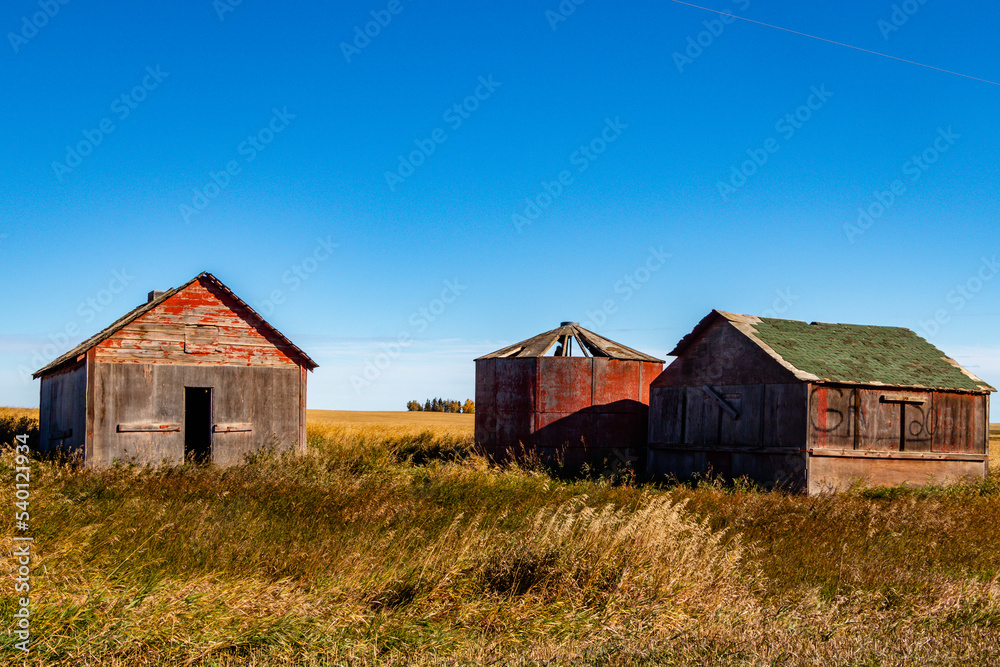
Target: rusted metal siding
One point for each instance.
(62, 410)
(486, 402)
(575, 409)
(139, 411)
(505, 396)
(565, 385)
(200, 324)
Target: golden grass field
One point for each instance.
(392, 543)
(459, 424)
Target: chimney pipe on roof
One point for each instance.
(155, 294)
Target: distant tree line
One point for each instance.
(442, 405)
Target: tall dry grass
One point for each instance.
(349, 552)
(18, 421)
(389, 545)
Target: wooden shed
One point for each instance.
(592, 407)
(816, 407)
(192, 374)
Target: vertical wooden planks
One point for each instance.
(831, 417)
(91, 362)
(785, 415)
(744, 429)
(302, 410)
(666, 415)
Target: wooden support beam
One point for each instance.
(148, 428)
(717, 397)
(231, 428)
(912, 400)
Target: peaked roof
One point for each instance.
(146, 307)
(848, 353)
(590, 344)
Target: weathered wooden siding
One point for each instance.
(199, 325)
(130, 397)
(762, 437)
(723, 355)
(726, 406)
(871, 419)
(767, 416)
(769, 468)
(836, 473)
(62, 410)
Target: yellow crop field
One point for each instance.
(16, 413)
(413, 421)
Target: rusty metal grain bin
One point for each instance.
(589, 408)
(816, 407)
(193, 374)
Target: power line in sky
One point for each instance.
(823, 39)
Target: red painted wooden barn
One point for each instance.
(587, 408)
(192, 374)
(816, 407)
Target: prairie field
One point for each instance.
(437, 421)
(392, 542)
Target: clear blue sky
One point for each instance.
(642, 110)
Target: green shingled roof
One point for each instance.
(855, 354)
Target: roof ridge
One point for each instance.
(864, 354)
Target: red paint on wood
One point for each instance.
(158, 336)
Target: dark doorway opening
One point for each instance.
(198, 425)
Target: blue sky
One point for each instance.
(469, 176)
